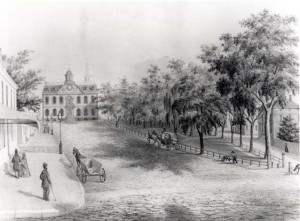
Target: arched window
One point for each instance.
(54, 112)
(54, 100)
(93, 111)
(78, 112)
(85, 99)
(78, 100)
(61, 100)
(93, 99)
(85, 112)
(62, 112)
(47, 112)
(47, 100)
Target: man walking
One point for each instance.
(16, 160)
(46, 182)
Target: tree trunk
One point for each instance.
(222, 132)
(231, 128)
(216, 131)
(241, 135)
(175, 120)
(251, 137)
(191, 130)
(267, 136)
(200, 132)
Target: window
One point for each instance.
(54, 112)
(85, 99)
(11, 94)
(93, 99)
(54, 100)
(47, 100)
(47, 112)
(2, 91)
(61, 100)
(85, 112)
(93, 111)
(6, 95)
(78, 100)
(62, 112)
(78, 112)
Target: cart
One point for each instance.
(90, 167)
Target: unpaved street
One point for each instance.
(146, 183)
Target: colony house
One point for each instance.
(75, 101)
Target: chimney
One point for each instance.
(4, 61)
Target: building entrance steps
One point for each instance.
(23, 197)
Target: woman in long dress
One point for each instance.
(24, 169)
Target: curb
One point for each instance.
(40, 213)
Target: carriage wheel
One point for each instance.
(102, 175)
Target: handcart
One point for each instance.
(90, 167)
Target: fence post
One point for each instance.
(283, 159)
(219, 156)
(213, 154)
(259, 163)
(250, 162)
(290, 167)
(242, 161)
(277, 165)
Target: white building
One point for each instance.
(75, 101)
(15, 127)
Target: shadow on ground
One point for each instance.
(30, 195)
(180, 213)
(144, 155)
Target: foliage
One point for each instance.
(288, 130)
(27, 80)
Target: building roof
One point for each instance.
(83, 88)
(289, 105)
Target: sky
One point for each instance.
(119, 39)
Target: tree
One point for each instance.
(262, 60)
(27, 80)
(288, 130)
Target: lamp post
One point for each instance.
(59, 117)
(51, 117)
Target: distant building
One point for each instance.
(277, 114)
(75, 101)
(16, 127)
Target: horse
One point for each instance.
(226, 158)
(164, 138)
(152, 136)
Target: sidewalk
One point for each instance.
(23, 197)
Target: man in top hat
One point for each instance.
(16, 160)
(46, 182)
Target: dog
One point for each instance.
(225, 158)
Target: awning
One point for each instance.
(9, 116)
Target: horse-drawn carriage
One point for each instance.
(166, 139)
(90, 167)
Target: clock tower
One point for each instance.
(69, 77)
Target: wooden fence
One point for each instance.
(276, 162)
